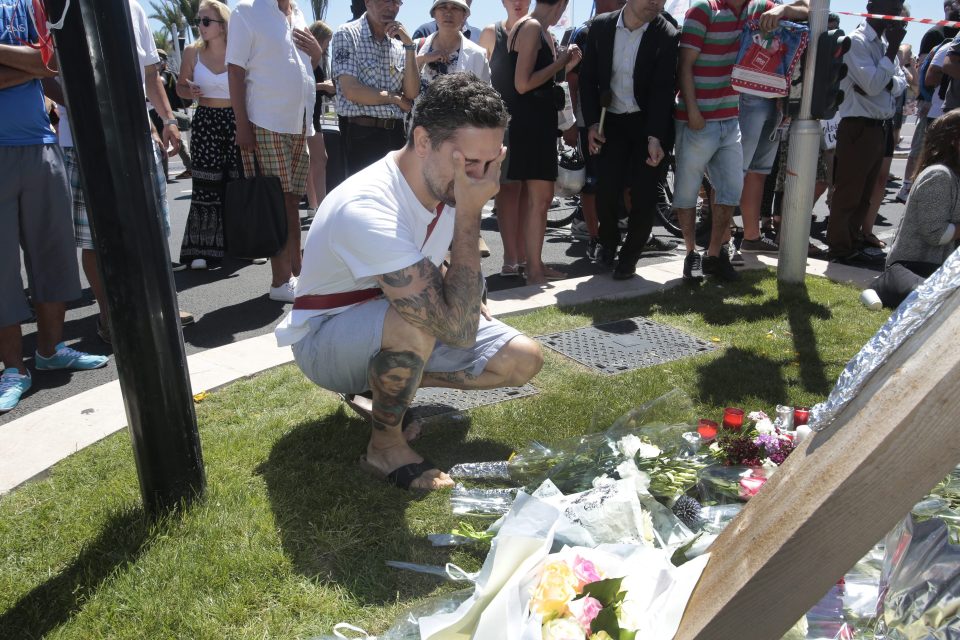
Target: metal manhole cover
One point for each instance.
(431, 402)
(625, 345)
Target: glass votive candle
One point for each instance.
(801, 415)
(707, 429)
(733, 418)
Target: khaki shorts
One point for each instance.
(283, 155)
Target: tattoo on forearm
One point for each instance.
(451, 377)
(394, 377)
(447, 306)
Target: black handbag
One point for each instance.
(254, 217)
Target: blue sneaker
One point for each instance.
(13, 385)
(67, 358)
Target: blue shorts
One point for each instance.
(714, 150)
(759, 134)
(336, 353)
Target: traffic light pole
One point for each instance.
(802, 164)
(101, 81)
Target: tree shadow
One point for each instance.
(124, 538)
(338, 524)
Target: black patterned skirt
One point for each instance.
(214, 155)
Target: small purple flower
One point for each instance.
(769, 442)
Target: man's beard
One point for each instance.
(443, 193)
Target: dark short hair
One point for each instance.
(833, 18)
(455, 101)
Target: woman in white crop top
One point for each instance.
(203, 77)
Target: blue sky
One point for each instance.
(415, 12)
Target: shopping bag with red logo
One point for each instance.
(766, 61)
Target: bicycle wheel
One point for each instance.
(563, 214)
(665, 211)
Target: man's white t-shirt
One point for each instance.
(370, 225)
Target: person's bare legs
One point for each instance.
(49, 326)
(507, 202)
(317, 178)
(537, 196)
(688, 226)
(720, 231)
(750, 200)
(876, 199)
(88, 259)
(514, 365)
(283, 263)
(11, 348)
(588, 204)
(394, 375)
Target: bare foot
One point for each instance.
(389, 458)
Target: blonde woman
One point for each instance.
(203, 77)
(317, 178)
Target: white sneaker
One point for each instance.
(198, 264)
(285, 292)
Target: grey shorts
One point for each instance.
(35, 215)
(337, 351)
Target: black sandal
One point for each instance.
(402, 476)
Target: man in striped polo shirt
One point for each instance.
(708, 131)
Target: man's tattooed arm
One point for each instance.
(445, 306)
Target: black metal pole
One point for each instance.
(108, 117)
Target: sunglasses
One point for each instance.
(207, 21)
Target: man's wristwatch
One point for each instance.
(410, 47)
(170, 121)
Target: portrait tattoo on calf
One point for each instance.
(394, 378)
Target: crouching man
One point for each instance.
(377, 310)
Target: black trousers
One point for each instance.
(362, 146)
(622, 164)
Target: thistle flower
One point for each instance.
(687, 510)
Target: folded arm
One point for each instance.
(27, 59)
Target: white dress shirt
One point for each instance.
(281, 89)
(869, 68)
(626, 43)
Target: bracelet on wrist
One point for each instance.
(410, 47)
(170, 121)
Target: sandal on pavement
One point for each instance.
(402, 476)
(410, 421)
(872, 240)
(510, 271)
(553, 274)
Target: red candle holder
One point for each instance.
(801, 415)
(707, 429)
(732, 418)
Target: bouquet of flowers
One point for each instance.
(754, 445)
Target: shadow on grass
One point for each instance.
(122, 541)
(800, 310)
(339, 525)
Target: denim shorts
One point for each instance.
(714, 150)
(336, 353)
(759, 134)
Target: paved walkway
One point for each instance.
(32, 444)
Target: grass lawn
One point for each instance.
(292, 537)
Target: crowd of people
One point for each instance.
(649, 94)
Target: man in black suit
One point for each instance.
(631, 56)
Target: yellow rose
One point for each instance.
(557, 587)
(601, 635)
(562, 629)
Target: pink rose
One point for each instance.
(584, 611)
(585, 571)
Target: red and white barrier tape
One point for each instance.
(940, 23)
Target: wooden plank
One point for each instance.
(837, 494)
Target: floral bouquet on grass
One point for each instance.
(609, 593)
